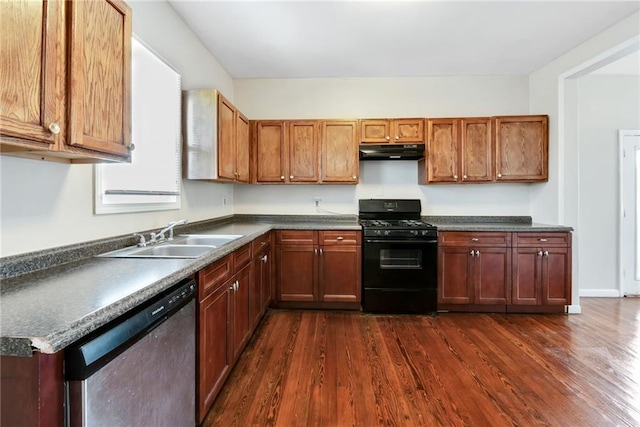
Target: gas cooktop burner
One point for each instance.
(403, 223)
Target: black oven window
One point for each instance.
(401, 259)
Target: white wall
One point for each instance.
(605, 105)
(46, 204)
(384, 97)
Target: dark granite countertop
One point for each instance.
(51, 298)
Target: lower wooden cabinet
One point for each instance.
(318, 267)
(227, 293)
(504, 272)
(260, 295)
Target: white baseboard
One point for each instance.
(606, 293)
(574, 309)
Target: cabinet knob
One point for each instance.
(475, 239)
(455, 176)
(132, 146)
(290, 176)
(464, 176)
(282, 177)
(539, 253)
(354, 177)
(54, 128)
(477, 253)
(546, 253)
(387, 137)
(499, 175)
(472, 253)
(397, 137)
(339, 238)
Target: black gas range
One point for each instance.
(399, 257)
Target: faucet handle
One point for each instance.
(141, 240)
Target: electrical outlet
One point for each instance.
(224, 201)
(317, 200)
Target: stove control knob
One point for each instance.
(377, 232)
(386, 232)
(414, 232)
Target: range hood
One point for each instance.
(391, 151)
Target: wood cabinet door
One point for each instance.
(408, 131)
(214, 355)
(339, 150)
(375, 131)
(521, 148)
(270, 151)
(297, 272)
(340, 273)
(476, 149)
(242, 148)
(526, 284)
(99, 90)
(226, 139)
(442, 150)
(454, 275)
(492, 275)
(556, 276)
(255, 291)
(265, 278)
(31, 66)
(241, 320)
(303, 151)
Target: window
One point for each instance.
(152, 180)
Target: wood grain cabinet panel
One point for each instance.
(242, 148)
(339, 151)
(66, 80)
(454, 271)
(303, 151)
(521, 148)
(233, 143)
(270, 152)
(339, 273)
(458, 151)
(296, 272)
(401, 131)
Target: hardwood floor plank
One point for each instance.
(324, 368)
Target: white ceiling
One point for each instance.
(288, 39)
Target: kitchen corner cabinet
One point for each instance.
(401, 131)
(233, 142)
(522, 148)
(318, 267)
(541, 269)
(458, 150)
(57, 100)
(474, 268)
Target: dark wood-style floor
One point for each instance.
(323, 368)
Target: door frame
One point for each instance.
(621, 214)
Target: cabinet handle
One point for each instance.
(464, 176)
(387, 137)
(546, 253)
(315, 251)
(499, 175)
(475, 239)
(320, 252)
(290, 176)
(54, 128)
(472, 253)
(542, 240)
(282, 177)
(264, 258)
(539, 253)
(455, 176)
(339, 238)
(477, 253)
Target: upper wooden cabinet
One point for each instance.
(66, 82)
(216, 138)
(522, 148)
(339, 148)
(458, 150)
(402, 131)
(306, 151)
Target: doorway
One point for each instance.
(630, 220)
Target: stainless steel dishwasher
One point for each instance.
(139, 369)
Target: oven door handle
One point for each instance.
(411, 242)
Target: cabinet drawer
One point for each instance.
(213, 275)
(558, 239)
(241, 257)
(478, 238)
(340, 237)
(259, 243)
(297, 237)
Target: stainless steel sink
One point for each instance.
(160, 251)
(205, 239)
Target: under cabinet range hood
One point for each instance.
(391, 151)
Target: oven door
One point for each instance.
(401, 264)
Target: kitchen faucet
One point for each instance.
(159, 236)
